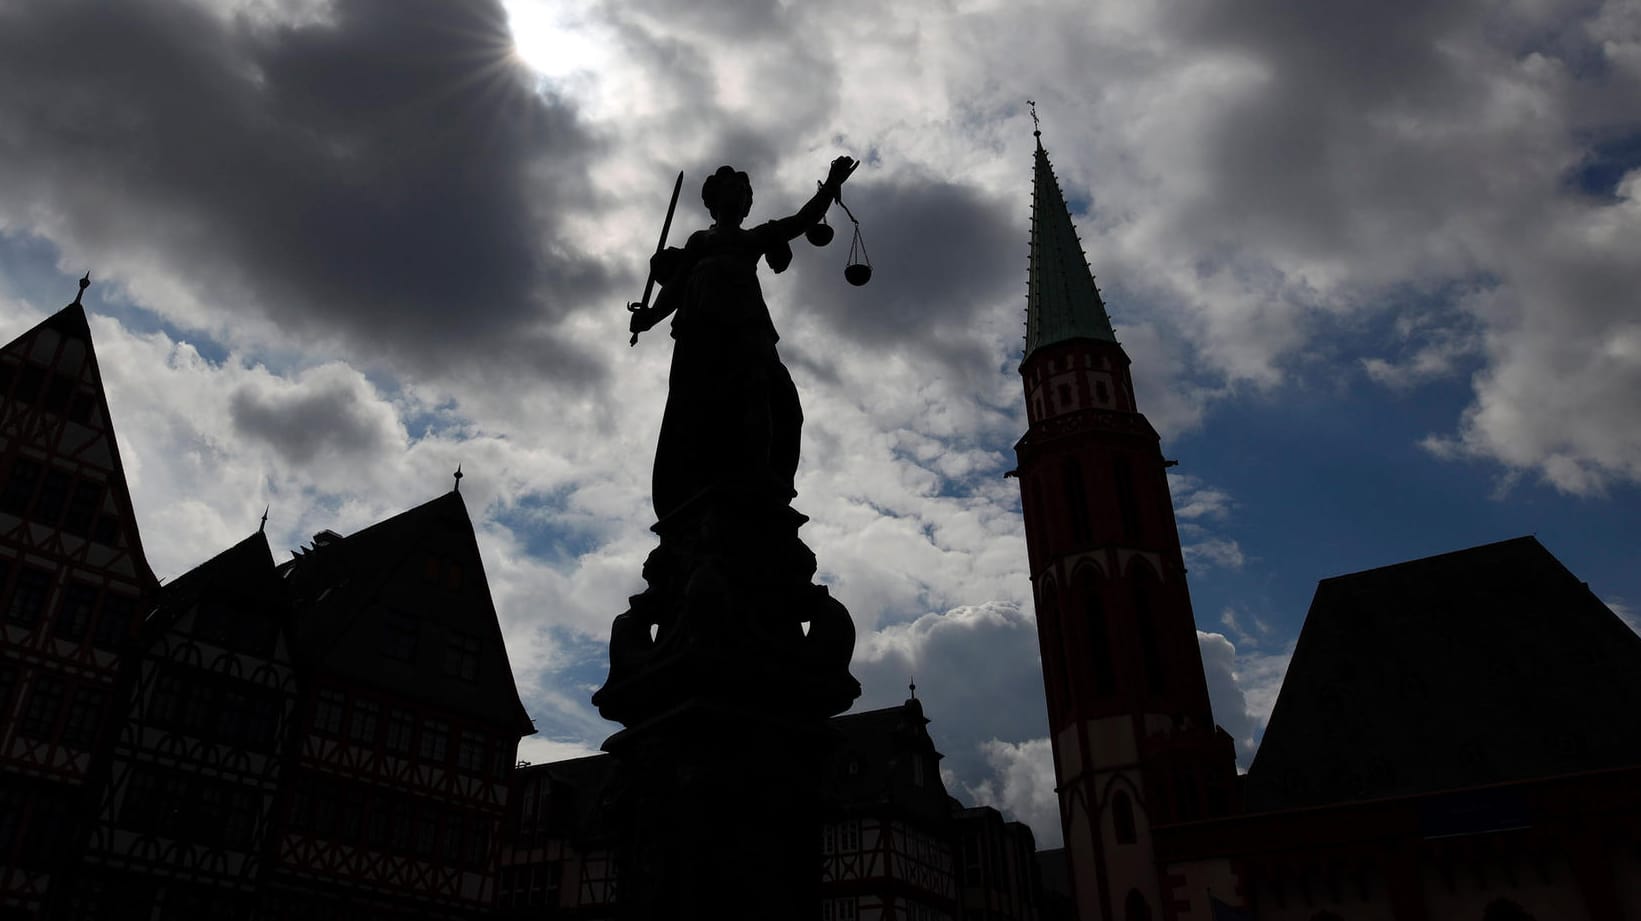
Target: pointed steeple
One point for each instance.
(1061, 299)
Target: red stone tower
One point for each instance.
(1135, 745)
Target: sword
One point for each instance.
(649, 284)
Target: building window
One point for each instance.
(1076, 501)
(1135, 907)
(434, 741)
(85, 714)
(20, 484)
(1102, 393)
(362, 723)
(849, 835)
(79, 408)
(400, 631)
(8, 683)
(400, 727)
(470, 754)
(114, 624)
(1122, 817)
(75, 610)
(28, 600)
(1099, 637)
(1127, 505)
(48, 506)
(45, 703)
(461, 657)
(917, 771)
(327, 712)
(82, 507)
(1150, 651)
(840, 909)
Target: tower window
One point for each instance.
(1102, 393)
(1099, 640)
(1127, 505)
(1135, 907)
(1062, 394)
(1076, 501)
(1150, 653)
(1122, 817)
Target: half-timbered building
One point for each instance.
(195, 768)
(407, 725)
(73, 581)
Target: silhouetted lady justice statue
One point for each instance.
(732, 412)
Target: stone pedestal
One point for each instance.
(724, 673)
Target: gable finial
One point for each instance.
(85, 282)
(458, 487)
(263, 529)
(912, 686)
(1036, 126)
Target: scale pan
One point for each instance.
(857, 274)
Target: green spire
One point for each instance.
(1061, 300)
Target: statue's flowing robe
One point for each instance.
(732, 413)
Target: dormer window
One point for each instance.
(918, 778)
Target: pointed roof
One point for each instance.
(244, 572)
(1061, 300)
(61, 346)
(425, 562)
(1486, 665)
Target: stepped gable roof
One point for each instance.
(58, 342)
(418, 571)
(1487, 665)
(1062, 301)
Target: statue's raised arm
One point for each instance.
(831, 189)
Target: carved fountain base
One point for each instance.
(724, 673)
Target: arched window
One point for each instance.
(1122, 817)
(1089, 586)
(1135, 908)
(1145, 620)
(1076, 501)
(1127, 505)
(1048, 621)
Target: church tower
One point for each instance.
(1135, 745)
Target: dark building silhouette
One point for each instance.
(1456, 737)
(336, 736)
(73, 583)
(332, 737)
(894, 844)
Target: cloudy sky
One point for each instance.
(1375, 263)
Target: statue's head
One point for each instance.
(727, 195)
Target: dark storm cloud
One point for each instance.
(334, 414)
(387, 176)
(946, 259)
